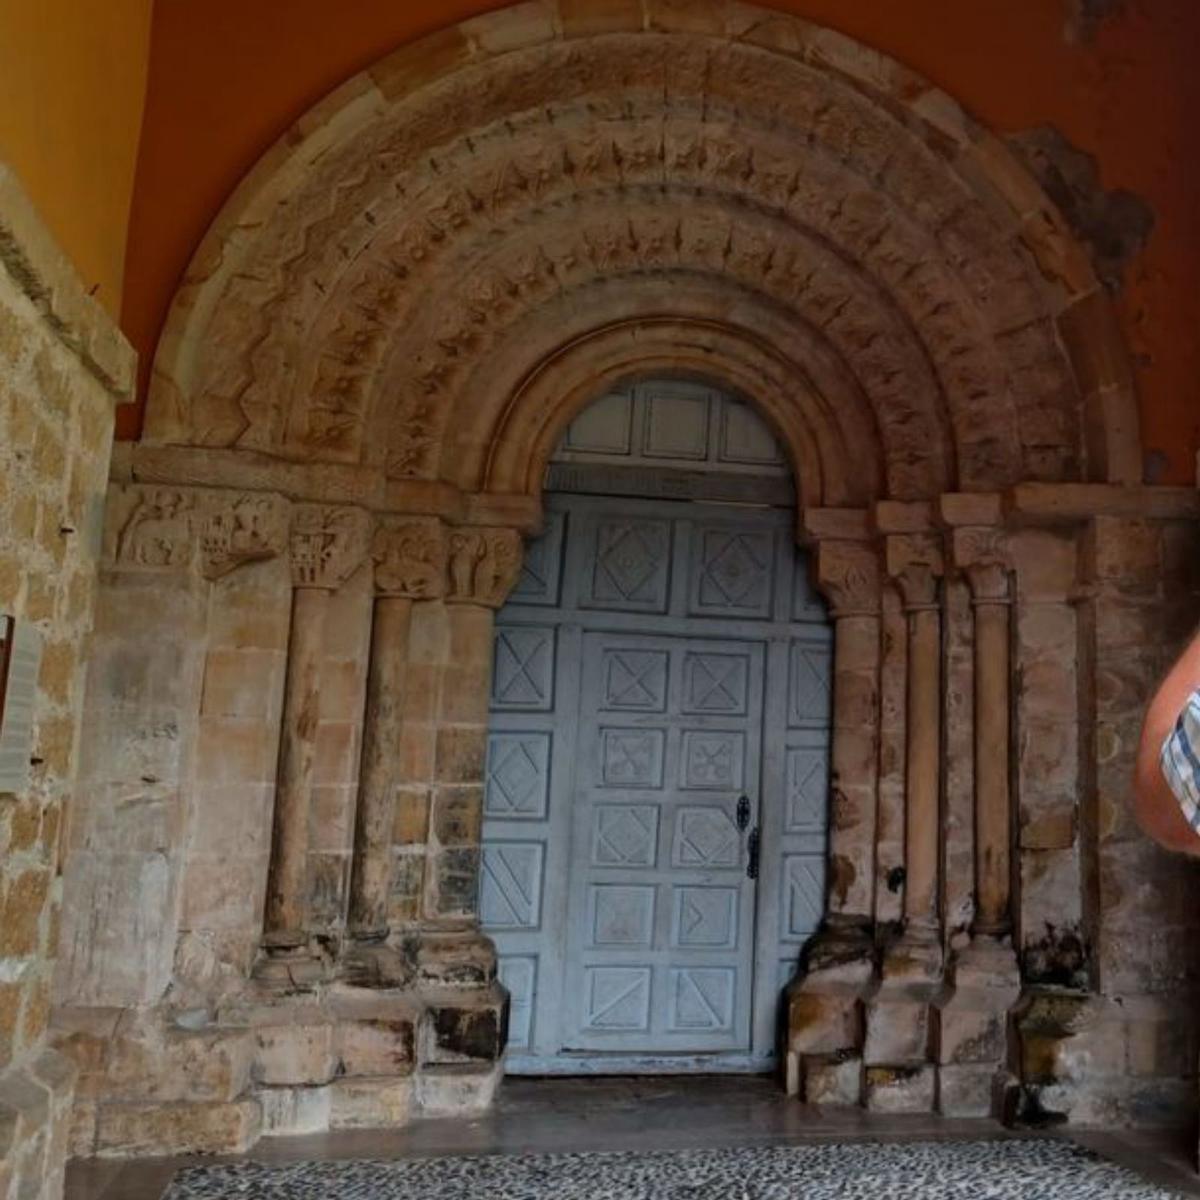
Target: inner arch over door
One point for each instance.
(657, 773)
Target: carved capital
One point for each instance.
(202, 528)
(243, 529)
(482, 565)
(916, 564)
(981, 552)
(848, 576)
(410, 559)
(326, 544)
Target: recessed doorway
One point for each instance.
(657, 775)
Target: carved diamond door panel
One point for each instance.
(660, 957)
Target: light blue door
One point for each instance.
(660, 706)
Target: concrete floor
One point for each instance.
(628, 1114)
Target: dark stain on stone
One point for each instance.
(1059, 958)
(472, 1033)
(1033, 1113)
(895, 879)
(1113, 225)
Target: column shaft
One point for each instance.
(992, 804)
(456, 795)
(855, 764)
(284, 921)
(922, 818)
(378, 776)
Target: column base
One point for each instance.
(455, 959)
(897, 1049)
(374, 963)
(825, 1014)
(288, 966)
(272, 1061)
(972, 1035)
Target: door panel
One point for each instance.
(661, 909)
(657, 661)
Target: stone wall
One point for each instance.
(63, 366)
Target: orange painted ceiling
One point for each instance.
(226, 79)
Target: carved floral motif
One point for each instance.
(982, 553)
(848, 576)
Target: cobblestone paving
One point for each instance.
(1010, 1169)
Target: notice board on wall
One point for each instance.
(20, 661)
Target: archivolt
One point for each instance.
(386, 283)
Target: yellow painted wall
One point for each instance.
(72, 91)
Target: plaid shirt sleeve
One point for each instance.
(1180, 760)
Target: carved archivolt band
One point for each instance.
(387, 278)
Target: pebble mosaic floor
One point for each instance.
(1009, 1169)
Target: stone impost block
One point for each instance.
(461, 959)
(900, 1089)
(377, 1046)
(371, 1103)
(898, 1031)
(971, 1090)
(454, 1089)
(972, 1027)
(462, 1027)
(175, 1065)
(294, 1054)
(833, 1080)
(224, 1127)
(292, 1111)
(823, 1022)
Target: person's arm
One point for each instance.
(1156, 806)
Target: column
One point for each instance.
(916, 564)
(482, 566)
(983, 978)
(326, 545)
(900, 1016)
(409, 562)
(848, 574)
(988, 577)
(824, 1033)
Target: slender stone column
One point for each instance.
(825, 1004)
(848, 574)
(918, 582)
(981, 551)
(326, 545)
(409, 565)
(284, 925)
(983, 979)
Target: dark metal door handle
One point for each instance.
(743, 813)
(754, 848)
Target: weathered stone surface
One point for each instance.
(453, 1089)
(898, 1031)
(833, 1080)
(370, 1103)
(130, 1130)
(295, 1054)
(900, 1089)
(458, 1029)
